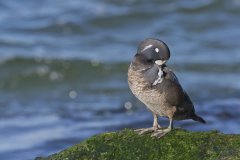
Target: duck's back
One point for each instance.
(175, 96)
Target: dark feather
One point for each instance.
(198, 118)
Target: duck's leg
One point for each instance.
(155, 126)
(161, 133)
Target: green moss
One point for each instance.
(178, 144)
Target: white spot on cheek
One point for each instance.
(160, 62)
(157, 50)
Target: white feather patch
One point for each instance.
(146, 47)
(160, 77)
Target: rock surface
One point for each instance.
(178, 144)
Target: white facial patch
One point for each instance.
(146, 47)
(157, 50)
(160, 62)
(159, 77)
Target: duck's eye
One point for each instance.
(156, 50)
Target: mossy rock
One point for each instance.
(178, 144)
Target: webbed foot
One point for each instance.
(161, 133)
(147, 130)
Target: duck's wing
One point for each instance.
(169, 74)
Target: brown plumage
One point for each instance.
(154, 84)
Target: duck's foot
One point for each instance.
(161, 133)
(147, 130)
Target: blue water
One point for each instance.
(63, 67)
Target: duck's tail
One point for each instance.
(198, 118)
